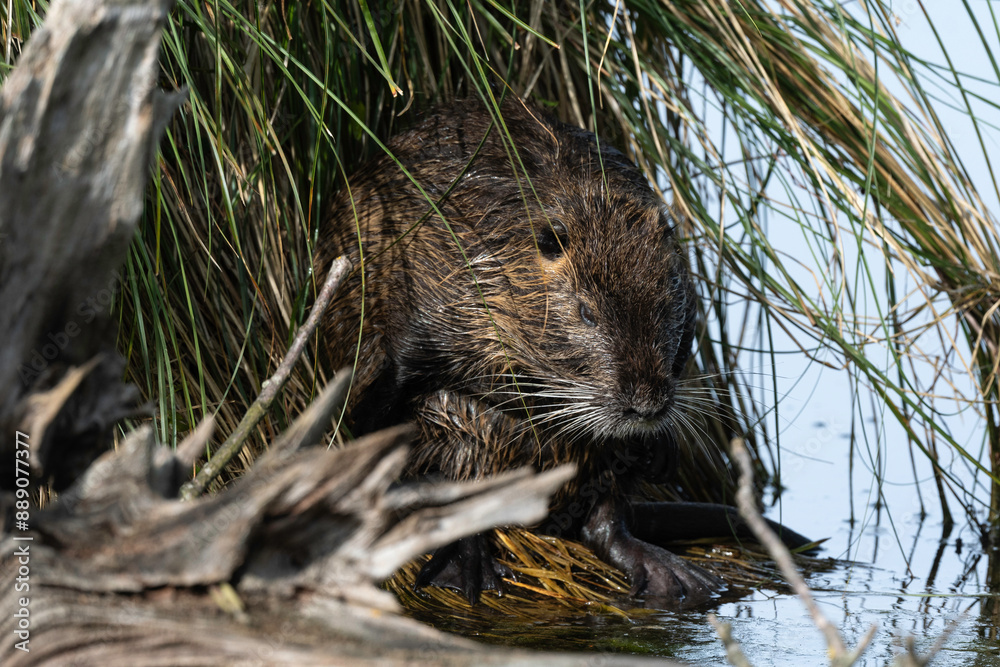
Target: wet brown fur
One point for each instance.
(548, 320)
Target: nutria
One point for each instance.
(525, 302)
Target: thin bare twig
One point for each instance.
(910, 657)
(234, 443)
(734, 654)
(839, 655)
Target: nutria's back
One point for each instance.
(525, 300)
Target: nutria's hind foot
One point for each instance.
(467, 566)
(662, 578)
(659, 577)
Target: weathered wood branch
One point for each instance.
(79, 124)
(235, 442)
(302, 539)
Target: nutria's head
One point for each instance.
(556, 286)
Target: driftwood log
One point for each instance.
(280, 567)
(79, 120)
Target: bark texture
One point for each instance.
(79, 122)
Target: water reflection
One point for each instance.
(890, 560)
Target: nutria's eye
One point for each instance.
(552, 239)
(587, 315)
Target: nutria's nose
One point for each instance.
(648, 401)
(646, 410)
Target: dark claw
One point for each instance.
(655, 572)
(666, 577)
(467, 566)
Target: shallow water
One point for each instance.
(774, 629)
(891, 570)
(895, 570)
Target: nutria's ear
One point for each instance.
(539, 129)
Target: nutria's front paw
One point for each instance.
(467, 566)
(661, 577)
